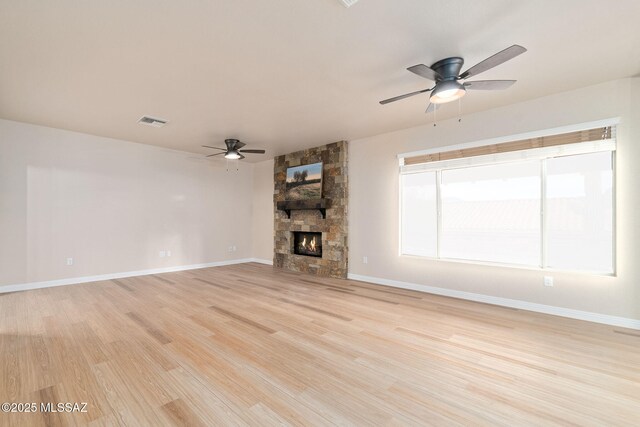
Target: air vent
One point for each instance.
(348, 3)
(152, 121)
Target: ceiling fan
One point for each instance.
(233, 150)
(446, 74)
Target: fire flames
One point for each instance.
(310, 247)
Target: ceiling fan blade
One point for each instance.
(406, 95)
(489, 84)
(493, 61)
(253, 151)
(217, 154)
(431, 107)
(240, 144)
(424, 71)
(216, 148)
(241, 157)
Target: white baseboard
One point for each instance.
(506, 302)
(262, 261)
(101, 277)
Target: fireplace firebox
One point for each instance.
(307, 243)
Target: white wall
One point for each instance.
(113, 205)
(374, 214)
(263, 188)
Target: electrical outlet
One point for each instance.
(548, 280)
(69, 261)
(365, 260)
(230, 249)
(162, 254)
(168, 253)
(234, 249)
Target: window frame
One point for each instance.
(543, 261)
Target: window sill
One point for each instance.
(513, 266)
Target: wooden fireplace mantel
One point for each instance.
(291, 205)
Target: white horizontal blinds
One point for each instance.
(587, 141)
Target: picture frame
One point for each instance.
(304, 182)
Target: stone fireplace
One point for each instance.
(308, 243)
(310, 236)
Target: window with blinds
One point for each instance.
(544, 202)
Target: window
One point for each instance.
(420, 219)
(492, 213)
(546, 207)
(579, 207)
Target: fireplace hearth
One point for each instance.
(307, 243)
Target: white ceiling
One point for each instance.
(288, 74)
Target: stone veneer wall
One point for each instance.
(334, 228)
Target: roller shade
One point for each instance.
(584, 141)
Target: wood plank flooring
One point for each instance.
(250, 345)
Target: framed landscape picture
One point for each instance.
(304, 182)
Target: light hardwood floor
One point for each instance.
(250, 345)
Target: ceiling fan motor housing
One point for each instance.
(231, 143)
(448, 68)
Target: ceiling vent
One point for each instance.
(152, 121)
(348, 3)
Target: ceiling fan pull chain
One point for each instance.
(435, 108)
(459, 110)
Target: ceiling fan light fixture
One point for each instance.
(232, 155)
(447, 91)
